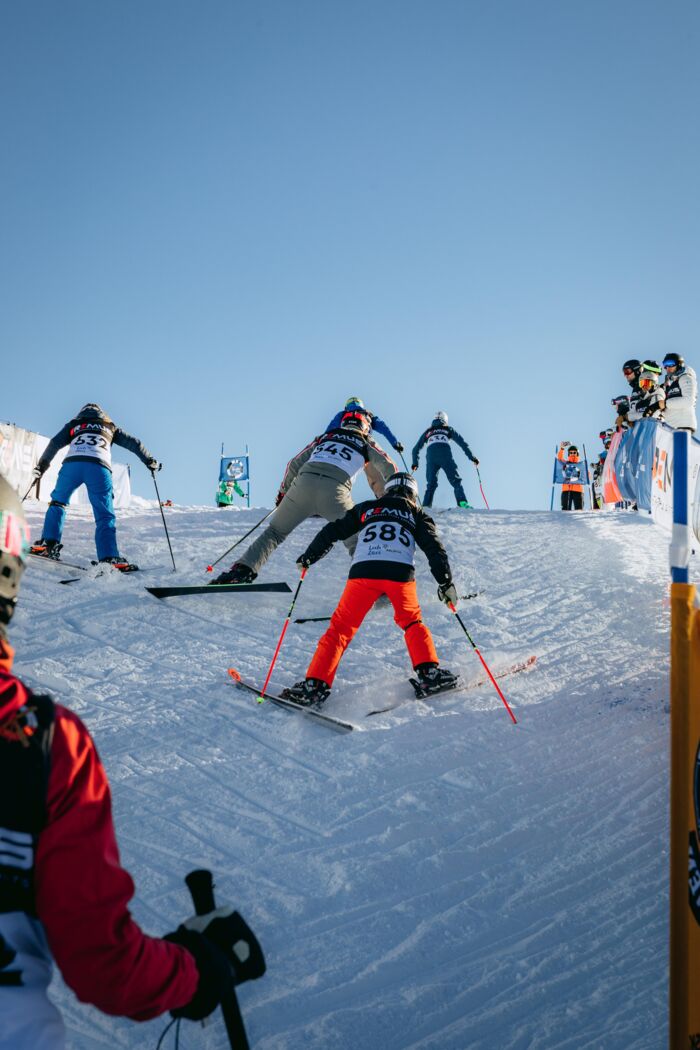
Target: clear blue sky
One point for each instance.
(220, 219)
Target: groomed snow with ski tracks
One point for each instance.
(437, 879)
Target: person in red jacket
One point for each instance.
(63, 893)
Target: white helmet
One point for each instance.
(441, 417)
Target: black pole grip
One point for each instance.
(200, 883)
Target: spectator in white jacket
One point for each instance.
(681, 388)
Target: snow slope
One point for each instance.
(439, 879)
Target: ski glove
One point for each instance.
(37, 471)
(304, 562)
(154, 465)
(398, 446)
(447, 593)
(279, 497)
(414, 467)
(475, 462)
(226, 952)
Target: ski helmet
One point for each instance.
(633, 366)
(91, 411)
(402, 484)
(572, 450)
(354, 402)
(441, 417)
(14, 549)
(356, 421)
(671, 360)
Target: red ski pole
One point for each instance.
(284, 631)
(482, 489)
(488, 672)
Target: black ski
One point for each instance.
(60, 562)
(217, 588)
(460, 686)
(310, 712)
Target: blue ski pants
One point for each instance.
(98, 482)
(435, 461)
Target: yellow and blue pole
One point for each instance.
(684, 954)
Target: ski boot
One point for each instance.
(433, 679)
(119, 563)
(238, 573)
(465, 503)
(312, 692)
(47, 549)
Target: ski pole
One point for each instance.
(153, 475)
(210, 568)
(201, 886)
(488, 672)
(482, 488)
(284, 631)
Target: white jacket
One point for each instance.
(681, 398)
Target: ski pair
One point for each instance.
(459, 685)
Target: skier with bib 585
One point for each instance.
(90, 436)
(439, 457)
(388, 531)
(317, 481)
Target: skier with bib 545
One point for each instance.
(439, 457)
(388, 531)
(317, 481)
(89, 436)
(64, 896)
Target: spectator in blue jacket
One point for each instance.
(439, 457)
(355, 404)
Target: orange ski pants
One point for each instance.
(355, 602)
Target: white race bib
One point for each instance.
(438, 437)
(385, 541)
(93, 443)
(349, 459)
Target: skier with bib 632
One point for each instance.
(317, 481)
(439, 457)
(89, 436)
(64, 895)
(388, 531)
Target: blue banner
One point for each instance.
(234, 468)
(634, 462)
(566, 473)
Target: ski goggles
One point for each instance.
(670, 364)
(628, 371)
(14, 536)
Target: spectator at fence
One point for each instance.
(572, 489)
(652, 402)
(681, 392)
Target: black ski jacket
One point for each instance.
(398, 522)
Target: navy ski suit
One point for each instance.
(439, 457)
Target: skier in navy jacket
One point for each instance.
(439, 457)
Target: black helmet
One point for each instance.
(673, 359)
(92, 411)
(402, 484)
(14, 549)
(633, 365)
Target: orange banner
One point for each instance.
(684, 1001)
